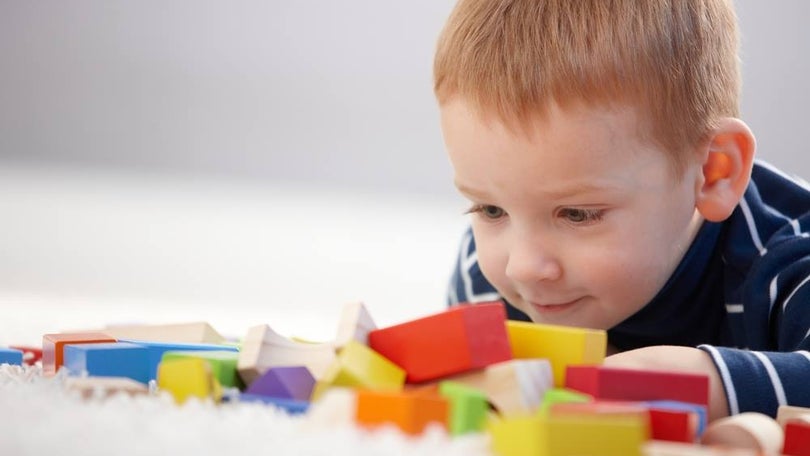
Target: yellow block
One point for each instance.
(359, 366)
(517, 435)
(187, 377)
(596, 435)
(561, 345)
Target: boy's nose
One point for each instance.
(527, 264)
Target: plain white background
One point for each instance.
(255, 162)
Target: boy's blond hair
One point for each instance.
(673, 60)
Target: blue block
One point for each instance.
(684, 406)
(11, 356)
(291, 406)
(157, 349)
(117, 359)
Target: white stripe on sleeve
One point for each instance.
(774, 376)
(731, 393)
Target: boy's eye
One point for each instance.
(581, 216)
(487, 211)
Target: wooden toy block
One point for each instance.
(294, 382)
(595, 435)
(191, 333)
(786, 413)
(102, 387)
(291, 406)
(512, 386)
(355, 324)
(668, 419)
(555, 396)
(468, 407)
(638, 385)
(222, 362)
(53, 345)
(797, 438)
(518, 435)
(11, 356)
(749, 430)
(30, 354)
(662, 448)
(410, 412)
(263, 348)
(156, 350)
(116, 359)
(457, 340)
(361, 367)
(189, 377)
(563, 346)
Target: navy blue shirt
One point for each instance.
(741, 293)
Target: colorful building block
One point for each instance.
(457, 340)
(189, 333)
(188, 377)
(468, 407)
(291, 406)
(563, 346)
(53, 345)
(411, 412)
(638, 385)
(116, 359)
(355, 324)
(30, 354)
(512, 386)
(294, 382)
(797, 438)
(222, 362)
(358, 366)
(749, 430)
(555, 396)
(156, 350)
(518, 435)
(786, 413)
(595, 435)
(263, 348)
(102, 387)
(677, 421)
(11, 356)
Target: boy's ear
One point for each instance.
(727, 164)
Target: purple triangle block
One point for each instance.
(284, 382)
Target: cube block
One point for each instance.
(410, 412)
(294, 383)
(457, 340)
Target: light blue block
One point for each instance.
(157, 349)
(118, 359)
(11, 356)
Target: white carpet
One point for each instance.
(40, 417)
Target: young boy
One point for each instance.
(612, 186)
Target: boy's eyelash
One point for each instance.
(482, 208)
(582, 216)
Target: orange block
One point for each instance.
(410, 411)
(53, 347)
(451, 342)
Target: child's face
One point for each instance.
(581, 222)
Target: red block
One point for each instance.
(797, 439)
(454, 341)
(673, 425)
(30, 354)
(638, 385)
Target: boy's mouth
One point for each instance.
(552, 307)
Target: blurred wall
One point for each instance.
(329, 92)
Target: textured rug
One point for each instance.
(41, 416)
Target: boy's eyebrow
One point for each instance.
(570, 190)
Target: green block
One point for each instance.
(223, 364)
(562, 396)
(468, 407)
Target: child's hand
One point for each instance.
(677, 359)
